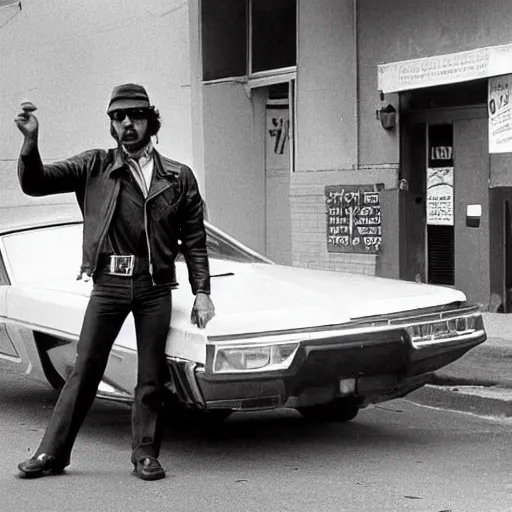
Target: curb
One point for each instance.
(488, 364)
(480, 382)
(480, 400)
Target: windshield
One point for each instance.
(223, 247)
(56, 252)
(44, 254)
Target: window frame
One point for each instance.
(267, 78)
(259, 78)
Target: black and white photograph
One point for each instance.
(255, 256)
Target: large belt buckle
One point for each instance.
(121, 265)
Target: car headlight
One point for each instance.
(247, 358)
(445, 329)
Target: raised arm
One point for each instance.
(35, 178)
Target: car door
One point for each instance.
(7, 349)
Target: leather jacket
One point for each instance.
(173, 208)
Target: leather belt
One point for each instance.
(125, 265)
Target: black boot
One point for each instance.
(41, 465)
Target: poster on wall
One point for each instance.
(440, 196)
(278, 140)
(353, 218)
(500, 114)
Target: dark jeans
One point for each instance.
(112, 298)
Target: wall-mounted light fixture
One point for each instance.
(387, 117)
(473, 215)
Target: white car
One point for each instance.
(324, 343)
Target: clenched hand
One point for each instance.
(28, 125)
(26, 121)
(202, 310)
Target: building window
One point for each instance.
(273, 35)
(248, 37)
(224, 38)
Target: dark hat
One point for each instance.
(128, 96)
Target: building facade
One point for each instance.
(442, 65)
(387, 166)
(347, 135)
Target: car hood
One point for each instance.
(263, 297)
(259, 297)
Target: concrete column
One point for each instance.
(196, 96)
(326, 85)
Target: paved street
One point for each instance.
(398, 456)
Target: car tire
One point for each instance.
(335, 411)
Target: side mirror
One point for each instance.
(473, 215)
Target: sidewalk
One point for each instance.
(480, 381)
(488, 364)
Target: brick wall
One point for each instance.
(309, 219)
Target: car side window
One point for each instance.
(4, 279)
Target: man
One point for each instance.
(140, 209)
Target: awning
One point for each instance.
(445, 69)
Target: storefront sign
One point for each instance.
(445, 69)
(500, 114)
(353, 218)
(440, 196)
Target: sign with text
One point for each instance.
(353, 218)
(500, 114)
(435, 70)
(440, 196)
(278, 137)
(445, 69)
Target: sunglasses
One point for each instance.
(135, 114)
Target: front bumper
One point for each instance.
(382, 359)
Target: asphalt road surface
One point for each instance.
(398, 456)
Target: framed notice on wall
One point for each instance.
(353, 218)
(500, 114)
(440, 196)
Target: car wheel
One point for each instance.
(332, 411)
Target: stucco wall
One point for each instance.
(326, 92)
(67, 56)
(401, 29)
(234, 153)
(329, 136)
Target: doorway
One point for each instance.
(507, 257)
(439, 204)
(278, 166)
(445, 166)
